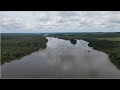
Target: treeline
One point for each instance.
(17, 46)
(112, 48)
(85, 35)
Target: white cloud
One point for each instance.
(56, 21)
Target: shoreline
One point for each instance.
(106, 46)
(16, 47)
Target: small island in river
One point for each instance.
(106, 42)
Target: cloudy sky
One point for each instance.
(59, 21)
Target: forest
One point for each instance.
(15, 46)
(106, 42)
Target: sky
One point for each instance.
(59, 21)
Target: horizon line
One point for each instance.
(60, 32)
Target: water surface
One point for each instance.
(62, 59)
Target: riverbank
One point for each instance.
(16, 46)
(112, 48)
(62, 59)
(107, 42)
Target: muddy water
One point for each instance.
(62, 59)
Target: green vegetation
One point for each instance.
(73, 41)
(110, 39)
(106, 42)
(112, 48)
(15, 46)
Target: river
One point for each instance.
(62, 59)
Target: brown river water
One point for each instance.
(62, 59)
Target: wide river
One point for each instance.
(62, 59)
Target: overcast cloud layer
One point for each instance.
(59, 21)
